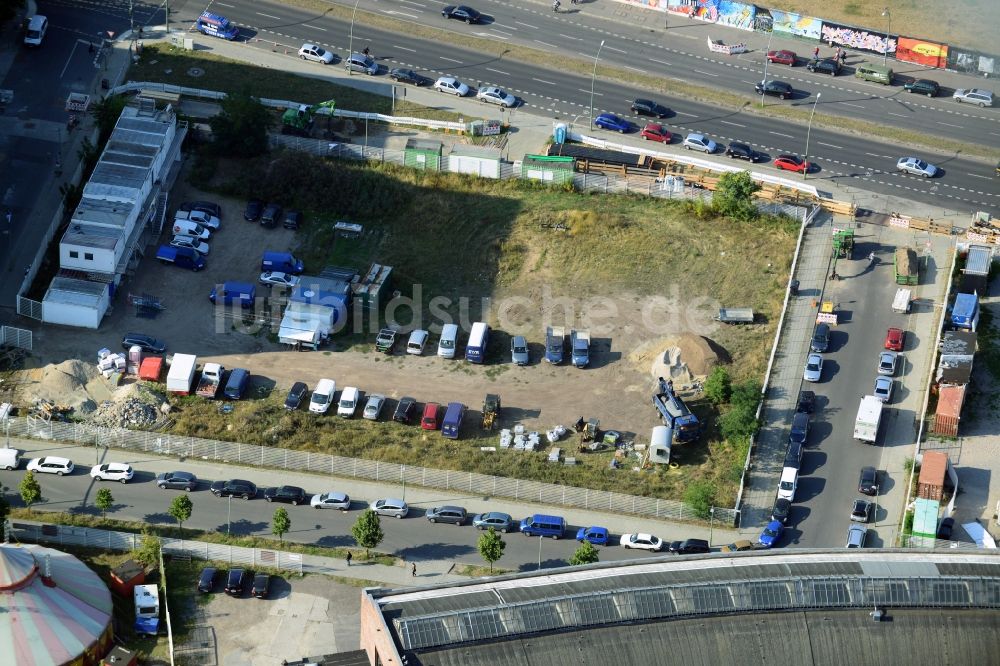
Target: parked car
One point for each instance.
(656, 132)
(206, 580)
(895, 338)
(739, 546)
(771, 534)
(782, 507)
(945, 529)
(401, 75)
(253, 210)
(112, 472)
(295, 395)
(190, 242)
(404, 410)
(501, 522)
(916, 167)
(814, 368)
(699, 142)
(373, 407)
(360, 62)
(394, 508)
(778, 89)
(288, 494)
(451, 85)
(641, 541)
(594, 534)
(293, 220)
(610, 121)
(807, 402)
(647, 107)
(331, 500)
(868, 481)
(279, 278)
(887, 363)
(974, 96)
(883, 388)
(461, 13)
(742, 151)
(261, 585)
(418, 340)
(689, 546)
(861, 511)
(821, 338)
(922, 87)
(791, 163)
(315, 53)
(498, 96)
(856, 536)
(177, 481)
(236, 582)
(455, 515)
(234, 488)
(799, 432)
(519, 350)
(829, 66)
(431, 419)
(271, 215)
(782, 57)
(208, 207)
(145, 342)
(51, 465)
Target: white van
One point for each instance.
(789, 482)
(348, 402)
(189, 228)
(199, 217)
(449, 338)
(9, 458)
(38, 25)
(322, 396)
(415, 345)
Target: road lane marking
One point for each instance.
(70, 57)
(395, 13)
(569, 36)
(726, 122)
(595, 92)
(501, 25)
(948, 124)
(978, 175)
(662, 62)
(497, 34)
(497, 71)
(698, 71)
(451, 60)
(527, 25)
(787, 136)
(276, 18)
(545, 44)
(549, 83)
(857, 106)
(224, 4)
(403, 48)
(635, 69)
(898, 115)
(315, 27)
(830, 145)
(611, 48)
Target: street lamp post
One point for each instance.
(229, 516)
(350, 45)
(539, 552)
(711, 524)
(888, 26)
(808, 132)
(402, 475)
(766, 62)
(593, 78)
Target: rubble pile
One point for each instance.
(131, 412)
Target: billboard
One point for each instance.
(971, 62)
(921, 52)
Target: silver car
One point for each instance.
(449, 84)
(495, 95)
(887, 363)
(974, 96)
(814, 368)
(519, 350)
(359, 62)
(193, 243)
(315, 53)
(501, 522)
(916, 167)
(373, 407)
(331, 500)
(699, 142)
(883, 388)
(856, 536)
(394, 508)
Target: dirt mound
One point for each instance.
(682, 358)
(71, 383)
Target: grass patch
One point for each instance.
(476, 571)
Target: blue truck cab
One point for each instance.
(216, 25)
(282, 262)
(183, 257)
(231, 292)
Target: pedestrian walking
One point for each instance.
(816, 52)
(349, 558)
(413, 570)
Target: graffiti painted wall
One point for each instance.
(736, 14)
(921, 52)
(707, 10)
(660, 5)
(796, 24)
(971, 62)
(856, 38)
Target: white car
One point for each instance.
(418, 339)
(641, 541)
(699, 142)
(112, 472)
(315, 53)
(974, 96)
(883, 388)
(887, 363)
(331, 500)
(916, 167)
(814, 368)
(191, 242)
(373, 407)
(278, 278)
(391, 507)
(51, 465)
(449, 84)
(201, 217)
(495, 95)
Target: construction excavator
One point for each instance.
(299, 121)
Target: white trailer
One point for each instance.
(869, 417)
(901, 302)
(180, 377)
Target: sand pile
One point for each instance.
(71, 383)
(682, 358)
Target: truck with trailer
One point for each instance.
(180, 377)
(906, 266)
(555, 338)
(675, 414)
(868, 419)
(580, 343)
(211, 380)
(965, 313)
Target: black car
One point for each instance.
(807, 402)
(688, 546)
(782, 507)
(868, 481)
(206, 581)
(271, 215)
(647, 107)
(207, 207)
(455, 515)
(177, 480)
(861, 511)
(146, 342)
(821, 338)
(462, 13)
(288, 494)
(800, 428)
(405, 410)
(778, 89)
(923, 87)
(236, 581)
(293, 220)
(829, 66)
(252, 212)
(793, 455)
(295, 395)
(261, 583)
(945, 529)
(401, 75)
(234, 488)
(742, 151)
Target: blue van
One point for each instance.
(243, 293)
(184, 257)
(282, 262)
(475, 350)
(453, 420)
(541, 525)
(237, 384)
(216, 25)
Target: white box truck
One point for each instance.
(901, 302)
(869, 417)
(180, 377)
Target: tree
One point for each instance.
(718, 386)
(281, 523)
(240, 129)
(31, 492)
(585, 554)
(106, 113)
(733, 196)
(367, 530)
(700, 496)
(491, 546)
(104, 501)
(148, 552)
(181, 509)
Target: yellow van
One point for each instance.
(877, 73)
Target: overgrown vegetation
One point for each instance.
(240, 128)
(734, 196)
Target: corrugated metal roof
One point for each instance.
(979, 260)
(596, 154)
(83, 234)
(101, 211)
(75, 286)
(469, 150)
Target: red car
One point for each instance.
(782, 57)
(791, 163)
(894, 339)
(656, 132)
(430, 419)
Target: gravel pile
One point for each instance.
(128, 413)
